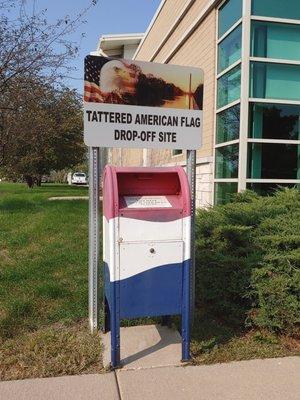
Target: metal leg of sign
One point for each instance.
(191, 173)
(115, 326)
(166, 321)
(185, 316)
(106, 323)
(93, 236)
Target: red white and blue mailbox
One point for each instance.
(146, 249)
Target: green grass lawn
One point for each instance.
(43, 293)
(43, 283)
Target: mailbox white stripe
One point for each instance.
(132, 230)
(160, 232)
(187, 237)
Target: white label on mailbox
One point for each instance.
(147, 202)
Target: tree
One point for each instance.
(32, 47)
(43, 134)
(40, 121)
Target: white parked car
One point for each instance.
(79, 178)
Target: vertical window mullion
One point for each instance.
(245, 70)
(226, 159)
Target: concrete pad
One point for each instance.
(80, 387)
(68, 198)
(55, 198)
(272, 379)
(146, 346)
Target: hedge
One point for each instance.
(248, 261)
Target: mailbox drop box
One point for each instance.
(146, 247)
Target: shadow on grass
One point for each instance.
(19, 315)
(56, 188)
(13, 205)
(208, 334)
(12, 190)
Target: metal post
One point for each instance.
(103, 159)
(191, 174)
(115, 325)
(186, 311)
(93, 236)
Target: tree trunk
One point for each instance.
(39, 181)
(29, 180)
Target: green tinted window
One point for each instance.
(224, 192)
(229, 86)
(229, 50)
(277, 8)
(227, 161)
(275, 40)
(228, 124)
(274, 121)
(176, 152)
(264, 189)
(229, 13)
(273, 161)
(275, 81)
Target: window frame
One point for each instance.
(265, 17)
(224, 37)
(219, 148)
(277, 60)
(180, 153)
(217, 144)
(220, 6)
(260, 150)
(233, 103)
(270, 140)
(224, 181)
(245, 98)
(238, 69)
(260, 60)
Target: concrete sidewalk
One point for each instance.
(271, 379)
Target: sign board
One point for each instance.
(142, 104)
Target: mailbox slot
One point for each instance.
(155, 198)
(140, 183)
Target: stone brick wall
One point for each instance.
(204, 184)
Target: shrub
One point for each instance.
(248, 261)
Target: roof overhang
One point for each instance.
(115, 41)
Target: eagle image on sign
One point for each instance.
(142, 104)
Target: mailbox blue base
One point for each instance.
(154, 292)
(161, 291)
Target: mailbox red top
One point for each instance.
(123, 183)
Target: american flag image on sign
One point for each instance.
(92, 69)
(109, 80)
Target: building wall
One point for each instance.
(197, 51)
(129, 51)
(204, 183)
(195, 7)
(160, 28)
(126, 157)
(251, 81)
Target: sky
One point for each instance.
(108, 16)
